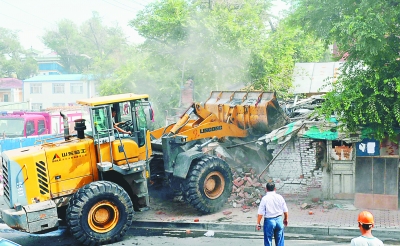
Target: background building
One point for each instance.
(45, 91)
(10, 90)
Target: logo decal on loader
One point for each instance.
(56, 157)
(211, 129)
(69, 155)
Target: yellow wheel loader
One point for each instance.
(97, 179)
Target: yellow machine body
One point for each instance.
(41, 178)
(50, 170)
(228, 114)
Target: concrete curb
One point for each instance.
(229, 227)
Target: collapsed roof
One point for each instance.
(305, 123)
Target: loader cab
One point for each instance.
(133, 117)
(132, 114)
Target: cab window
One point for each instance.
(101, 122)
(125, 111)
(41, 127)
(30, 128)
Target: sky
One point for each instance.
(32, 17)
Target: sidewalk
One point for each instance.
(341, 220)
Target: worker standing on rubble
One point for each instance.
(271, 207)
(365, 224)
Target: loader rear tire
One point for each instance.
(99, 213)
(208, 184)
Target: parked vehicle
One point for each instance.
(96, 179)
(6, 242)
(25, 123)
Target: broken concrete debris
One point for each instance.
(305, 206)
(327, 205)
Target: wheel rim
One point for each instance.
(103, 217)
(214, 185)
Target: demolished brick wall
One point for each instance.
(292, 170)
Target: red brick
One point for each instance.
(241, 182)
(227, 212)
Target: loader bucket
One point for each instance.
(256, 111)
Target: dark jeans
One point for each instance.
(273, 227)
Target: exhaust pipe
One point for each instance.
(66, 127)
(80, 128)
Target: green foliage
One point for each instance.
(217, 44)
(189, 41)
(14, 61)
(220, 46)
(367, 34)
(272, 65)
(91, 48)
(164, 21)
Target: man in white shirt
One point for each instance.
(365, 224)
(271, 207)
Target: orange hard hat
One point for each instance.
(365, 217)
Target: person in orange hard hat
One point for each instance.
(365, 224)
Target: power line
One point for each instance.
(41, 28)
(26, 12)
(132, 2)
(120, 7)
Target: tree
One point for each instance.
(91, 48)
(271, 67)
(66, 41)
(188, 40)
(182, 42)
(14, 60)
(219, 45)
(367, 34)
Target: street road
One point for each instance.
(166, 237)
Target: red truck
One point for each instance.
(24, 124)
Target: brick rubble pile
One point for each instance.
(247, 189)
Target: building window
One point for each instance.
(37, 106)
(36, 88)
(58, 88)
(76, 88)
(341, 151)
(58, 104)
(5, 98)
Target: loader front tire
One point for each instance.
(208, 184)
(100, 212)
